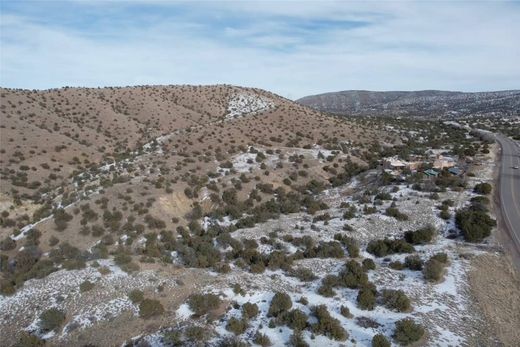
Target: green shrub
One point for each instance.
(396, 265)
(350, 243)
(236, 326)
(172, 338)
(353, 275)
(441, 257)
(327, 325)
(366, 298)
(136, 296)
(413, 262)
(304, 274)
(201, 304)
(433, 270)
(51, 319)
(326, 291)
(29, 340)
(280, 303)
(296, 319)
(196, 334)
(445, 214)
(382, 248)
(380, 340)
(249, 310)
(345, 312)
(475, 225)
(368, 264)
(149, 308)
(394, 212)
(396, 300)
(420, 236)
(296, 340)
(7, 287)
(7, 244)
(262, 339)
(483, 188)
(407, 331)
(85, 286)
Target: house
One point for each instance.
(396, 164)
(442, 162)
(431, 173)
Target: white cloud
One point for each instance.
(437, 45)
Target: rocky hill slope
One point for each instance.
(426, 103)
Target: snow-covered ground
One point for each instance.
(245, 103)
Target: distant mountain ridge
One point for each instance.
(424, 103)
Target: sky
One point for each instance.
(293, 48)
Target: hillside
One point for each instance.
(426, 103)
(222, 215)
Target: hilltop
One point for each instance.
(425, 103)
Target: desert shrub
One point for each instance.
(196, 333)
(327, 325)
(7, 287)
(330, 249)
(396, 265)
(232, 341)
(382, 248)
(296, 340)
(29, 340)
(345, 312)
(249, 310)
(394, 212)
(483, 188)
(53, 241)
(475, 225)
(7, 244)
(295, 319)
(236, 326)
(136, 296)
(368, 264)
(172, 338)
(203, 303)
(61, 218)
(413, 262)
(420, 236)
(483, 200)
(366, 298)
(51, 319)
(281, 302)
(353, 275)
(433, 270)
(383, 196)
(380, 340)
(149, 308)
(441, 257)
(326, 290)
(262, 339)
(407, 331)
(396, 300)
(445, 214)
(85, 286)
(378, 248)
(351, 244)
(303, 274)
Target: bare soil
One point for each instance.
(495, 286)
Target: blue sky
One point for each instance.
(294, 48)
